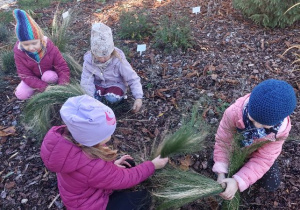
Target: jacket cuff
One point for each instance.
(220, 167)
(242, 184)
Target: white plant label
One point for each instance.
(141, 48)
(196, 10)
(159, 1)
(65, 14)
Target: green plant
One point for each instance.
(33, 4)
(175, 188)
(42, 110)
(59, 30)
(269, 13)
(173, 33)
(8, 62)
(134, 25)
(187, 139)
(3, 33)
(6, 16)
(74, 66)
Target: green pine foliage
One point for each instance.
(42, 110)
(8, 62)
(238, 157)
(135, 25)
(173, 33)
(176, 188)
(188, 139)
(269, 13)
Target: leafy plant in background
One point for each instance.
(6, 17)
(3, 33)
(36, 4)
(134, 25)
(269, 13)
(8, 62)
(173, 33)
(42, 110)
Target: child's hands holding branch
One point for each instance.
(137, 105)
(122, 161)
(160, 162)
(231, 188)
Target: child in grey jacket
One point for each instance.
(106, 73)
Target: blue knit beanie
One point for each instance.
(271, 101)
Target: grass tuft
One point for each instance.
(8, 62)
(42, 110)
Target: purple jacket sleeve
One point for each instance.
(107, 175)
(131, 77)
(28, 76)
(61, 67)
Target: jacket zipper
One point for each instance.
(38, 63)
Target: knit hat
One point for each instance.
(88, 120)
(26, 27)
(271, 101)
(102, 43)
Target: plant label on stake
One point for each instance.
(196, 10)
(159, 1)
(141, 48)
(65, 14)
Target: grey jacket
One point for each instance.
(118, 73)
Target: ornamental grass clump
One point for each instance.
(8, 62)
(187, 139)
(178, 188)
(238, 157)
(42, 110)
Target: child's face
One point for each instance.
(32, 45)
(258, 125)
(102, 59)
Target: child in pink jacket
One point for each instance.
(37, 59)
(86, 169)
(262, 115)
(106, 73)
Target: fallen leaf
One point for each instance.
(186, 162)
(8, 131)
(10, 185)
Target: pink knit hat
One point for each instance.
(89, 121)
(102, 43)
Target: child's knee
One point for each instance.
(50, 77)
(23, 91)
(111, 98)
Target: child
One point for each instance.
(262, 115)
(86, 169)
(106, 73)
(37, 59)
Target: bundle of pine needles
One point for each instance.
(178, 188)
(187, 139)
(42, 110)
(238, 158)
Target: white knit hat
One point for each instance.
(88, 120)
(102, 43)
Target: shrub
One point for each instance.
(8, 62)
(269, 13)
(134, 25)
(6, 16)
(173, 33)
(3, 33)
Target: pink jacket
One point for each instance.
(118, 73)
(86, 183)
(261, 160)
(31, 71)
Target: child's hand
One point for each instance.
(160, 162)
(232, 187)
(137, 105)
(121, 162)
(221, 176)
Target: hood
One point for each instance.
(59, 154)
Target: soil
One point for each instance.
(229, 57)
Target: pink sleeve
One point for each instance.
(110, 176)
